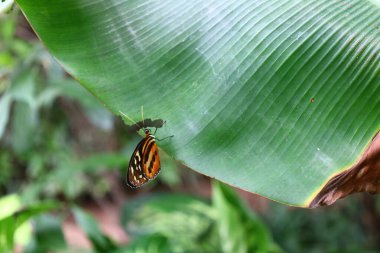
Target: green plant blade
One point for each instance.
(186, 221)
(48, 235)
(100, 242)
(274, 97)
(5, 5)
(239, 229)
(13, 216)
(147, 244)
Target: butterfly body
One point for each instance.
(145, 162)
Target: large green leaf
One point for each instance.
(272, 96)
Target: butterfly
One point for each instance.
(144, 164)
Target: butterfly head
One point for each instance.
(147, 132)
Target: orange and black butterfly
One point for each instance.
(144, 164)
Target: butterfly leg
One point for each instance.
(164, 138)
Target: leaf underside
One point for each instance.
(271, 96)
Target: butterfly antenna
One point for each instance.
(126, 116)
(142, 116)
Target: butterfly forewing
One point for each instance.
(135, 175)
(145, 163)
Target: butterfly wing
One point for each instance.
(151, 159)
(135, 174)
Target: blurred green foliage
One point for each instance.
(14, 215)
(187, 222)
(37, 147)
(346, 227)
(48, 150)
(101, 243)
(48, 235)
(5, 6)
(182, 223)
(240, 230)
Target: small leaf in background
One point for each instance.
(6, 170)
(66, 166)
(25, 115)
(184, 220)
(100, 242)
(14, 217)
(23, 49)
(23, 87)
(48, 235)
(6, 64)
(8, 207)
(5, 5)
(240, 230)
(24, 123)
(147, 244)
(46, 97)
(7, 30)
(5, 105)
(9, 204)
